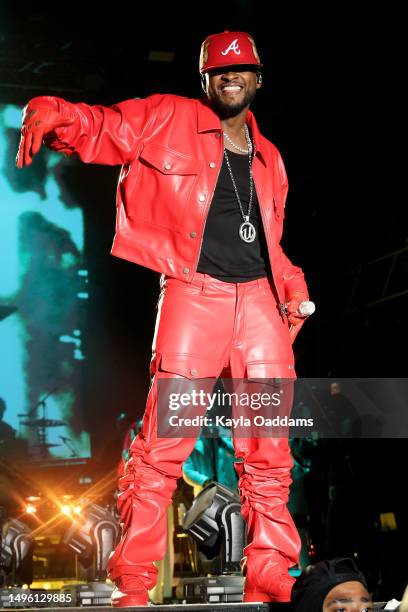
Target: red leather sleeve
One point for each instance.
(293, 277)
(101, 134)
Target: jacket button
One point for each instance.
(193, 372)
(202, 198)
(193, 234)
(212, 164)
(217, 134)
(167, 166)
(186, 270)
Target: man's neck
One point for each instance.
(234, 125)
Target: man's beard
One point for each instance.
(225, 111)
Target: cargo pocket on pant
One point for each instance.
(276, 379)
(183, 390)
(190, 366)
(277, 371)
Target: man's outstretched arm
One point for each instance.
(96, 134)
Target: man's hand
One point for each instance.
(295, 319)
(41, 115)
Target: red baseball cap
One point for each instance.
(228, 49)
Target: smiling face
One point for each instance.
(231, 89)
(349, 596)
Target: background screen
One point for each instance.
(43, 294)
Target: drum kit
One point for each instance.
(41, 425)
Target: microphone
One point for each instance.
(306, 308)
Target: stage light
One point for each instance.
(93, 538)
(69, 507)
(16, 552)
(31, 504)
(215, 516)
(215, 521)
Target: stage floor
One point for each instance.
(205, 607)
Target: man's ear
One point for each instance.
(204, 83)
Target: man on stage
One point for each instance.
(200, 199)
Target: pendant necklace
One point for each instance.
(247, 231)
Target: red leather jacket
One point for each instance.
(171, 151)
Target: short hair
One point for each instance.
(316, 581)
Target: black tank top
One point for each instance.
(224, 254)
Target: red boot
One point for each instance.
(146, 491)
(266, 578)
(129, 591)
(273, 543)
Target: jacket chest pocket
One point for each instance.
(166, 180)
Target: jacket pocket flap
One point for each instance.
(189, 366)
(169, 161)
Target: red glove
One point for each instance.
(40, 115)
(295, 319)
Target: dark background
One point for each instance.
(329, 102)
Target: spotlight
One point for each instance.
(93, 537)
(216, 516)
(68, 507)
(31, 504)
(16, 552)
(215, 521)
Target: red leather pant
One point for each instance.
(205, 328)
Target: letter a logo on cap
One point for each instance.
(233, 47)
(218, 51)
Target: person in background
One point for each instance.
(7, 432)
(331, 586)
